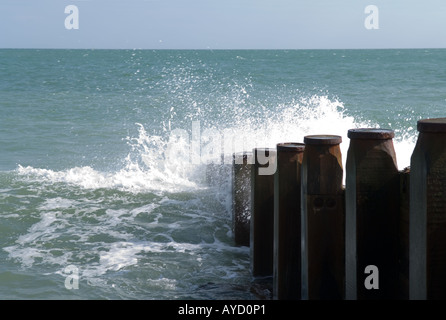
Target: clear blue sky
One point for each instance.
(222, 24)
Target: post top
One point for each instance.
(322, 139)
(290, 147)
(432, 125)
(371, 133)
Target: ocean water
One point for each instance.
(104, 156)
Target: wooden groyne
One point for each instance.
(381, 236)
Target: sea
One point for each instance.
(115, 182)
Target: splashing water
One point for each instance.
(170, 162)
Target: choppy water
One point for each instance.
(103, 156)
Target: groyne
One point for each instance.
(382, 235)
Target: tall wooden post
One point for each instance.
(323, 219)
(241, 197)
(427, 224)
(287, 222)
(372, 213)
(262, 211)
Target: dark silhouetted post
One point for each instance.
(262, 211)
(323, 219)
(287, 222)
(403, 234)
(241, 197)
(372, 213)
(427, 224)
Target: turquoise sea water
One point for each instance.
(92, 177)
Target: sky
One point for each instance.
(223, 24)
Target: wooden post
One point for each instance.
(427, 224)
(372, 213)
(287, 222)
(323, 219)
(262, 211)
(403, 234)
(241, 197)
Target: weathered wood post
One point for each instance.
(323, 219)
(262, 211)
(427, 224)
(372, 215)
(403, 234)
(241, 197)
(287, 222)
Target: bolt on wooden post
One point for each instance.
(287, 222)
(427, 216)
(241, 197)
(323, 219)
(372, 212)
(262, 211)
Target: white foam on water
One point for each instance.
(146, 169)
(121, 255)
(131, 179)
(107, 245)
(404, 147)
(57, 203)
(172, 163)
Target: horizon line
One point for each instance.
(221, 49)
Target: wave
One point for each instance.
(176, 161)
